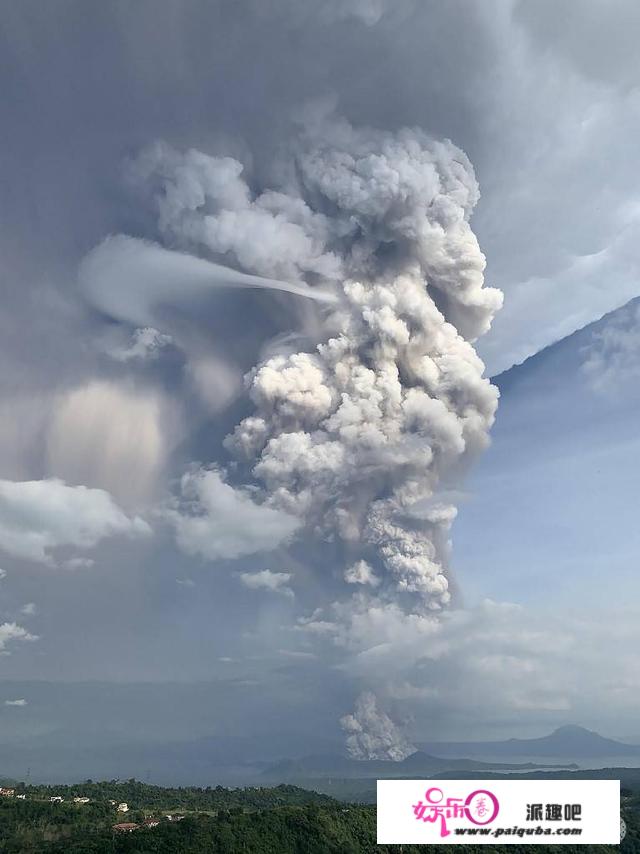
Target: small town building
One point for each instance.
(125, 827)
(56, 799)
(81, 800)
(7, 793)
(123, 807)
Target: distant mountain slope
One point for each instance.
(568, 348)
(566, 741)
(419, 764)
(434, 758)
(550, 508)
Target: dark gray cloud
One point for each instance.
(598, 38)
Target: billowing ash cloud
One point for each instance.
(371, 734)
(357, 434)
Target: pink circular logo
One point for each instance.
(481, 807)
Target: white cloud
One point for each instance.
(40, 515)
(20, 702)
(29, 609)
(215, 520)
(276, 582)
(79, 563)
(13, 632)
(146, 343)
(299, 654)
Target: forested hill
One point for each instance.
(283, 820)
(142, 796)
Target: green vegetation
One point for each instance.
(282, 820)
(153, 798)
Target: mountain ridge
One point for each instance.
(418, 763)
(541, 356)
(569, 740)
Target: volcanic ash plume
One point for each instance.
(356, 436)
(362, 433)
(371, 734)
